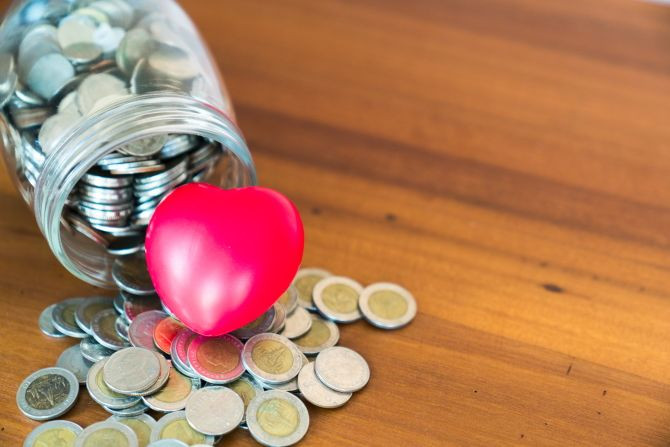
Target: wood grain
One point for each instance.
(507, 161)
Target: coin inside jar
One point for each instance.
(277, 418)
(104, 330)
(289, 299)
(336, 298)
(387, 305)
(304, 282)
(216, 359)
(321, 335)
(165, 332)
(175, 426)
(214, 410)
(260, 325)
(134, 305)
(107, 433)
(271, 358)
(46, 323)
(47, 393)
(175, 393)
(342, 369)
(53, 433)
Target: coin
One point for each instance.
(135, 410)
(130, 274)
(135, 305)
(119, 302)
(110, 433)
(163, 376)
(141, 329)
(271, 358)
(387, 305)
(277, 418)
(321, 335)
(88, 309)
(175, 393)
(131, 370)
(214, 410)
(49, 75)
(342, 369)
(46, 323)
(216, 359)
(96, 87)
(169, 443)
(289, 299)
(93, 351)
(292, 385)
(53, 433)
(247, 388)
(260, 325)
(141, 425)
(47, 393)
(336, 298)
(72, 360)
(315, 392)
(104, 330)
(100, 392)
(297, 323)
(175, 426)
(280, 318)
(124, 246)
(304, 282)
(8, 77)
(179, 352)
(121, 326)
(63, 315)
(165, 331)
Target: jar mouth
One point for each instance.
(129, 119)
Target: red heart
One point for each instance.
(219, 258)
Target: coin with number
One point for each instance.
(53, 433)
(247, 388)
(297, 323)
(336, 298)
(131, 370)
(134, 305)
(63, 315)
(342, 369)
(169, 443)
(175, 393)
(47, 393)
(72, 360)
(277, 418)
(321, 335)
(107, 433)
(100, 392)
(164, 332)
(88, 309)
(46, 323)
(387, 305)
(141, 425)
(304, 282)
(315, 392)
(271, 358)
(214, 410)
(175, 426)
(104, 331)
(216, 359)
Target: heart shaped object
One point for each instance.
(219, 258)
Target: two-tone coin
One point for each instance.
(175, 393)
(135, 410)
(121, 326)
(131, 370)
(297, 323)
(88, 309)
(216, 359)
(387, 305)
(165, 332)
(342, 369)
(141, 425)
(163, 377)
(289, 299)
(175, 426)
(131, 275)
(64, 321)
(93, 351)
(315, 392)
(179, 352)
(104, 330)
(280, 318)
(292, 385)
(53, 433)
(46, 323)
(247, 388)
(336, 298)
(260, 325)
(134, 305)
(304, 282)
(107, 433)
(141, 329)
(214, 410)
(321, 335)
(47, 393)
(72, 360)
(271, 358)
(171, 443)
(100, 392)
(277, 418)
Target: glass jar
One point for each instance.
(107, 106)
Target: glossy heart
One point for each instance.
(219, 258)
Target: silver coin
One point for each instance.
(103, 327)
(387, 305)
(321, 335)
(98, 17)
(336, 298)
(108, 38)
(82, 227)
(315, 392)
(88, 309)
(247, 388)
(95, 87)
(135, 410)
(142, 424)
(63, 315)
(271, 358)
(289, 299)
(304, 282)
(61, 434)
(173, 62)
(100, 392)
(131, 370)
(115, 433)
(135, 46)
(54, 129)
(72, 360)
(8, 77)
(175, 393)
(342, 369)
(47, 393)
(145, 146)
(141, 330)
(163, 377)
(46, 323)
(292, 385)
(119, 12)
(75, 29)
(297, 323)
(127, 245)
(50, 74)
(277, 418)
(175, 426)
(131, 275)
(280, 318)
(83, 53)
(260, 325)
(104, 180)
(93, 351)
(28, 96)
(119, 302)
(122, 326)
(214, 410)
(169, 443)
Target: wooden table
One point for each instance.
(507, 161)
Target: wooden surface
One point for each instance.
(507, 161)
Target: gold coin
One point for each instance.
(92, 309)
(56, 437)
(277, 417)
(341, 298)
(387, 304)
(272, 356)
(104, 389)
(47, 391)
(180, 430)
(141, 429)
(177, 388)
(317, 335)
(106, 437)
(108, 327)
(244, 390)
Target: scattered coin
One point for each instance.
(104, 331)
(165, 332)
(260, 325)
(336, 298)
(88, 309)
(175, 426)
(247, 388)
(134, 305)
(136, 410)
(216, 359)
(131, 275)
(277, 418)
(131, 370)
(72, 360)
(122, 326)
(175, 393)
(46, 323)
(163, 376)
(100, 392)
(280, 318)
(179, 352)
(169, 443)
(297, 323)
(93, 351)
(214, 410)
(289, 299)
(53, 433)
(321, 335)
(315, 392)
(342, 369)
(141, 425)
(387, 305)
(141, 330)
(47, 393)
(304, 282)
(109, 433)
(292, 385)
(271, 358)
(63, 315)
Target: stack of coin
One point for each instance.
(70, 64)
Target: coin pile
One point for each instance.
(253, 378)
(76, 58)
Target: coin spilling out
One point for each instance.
(297, 323)
(131, 275)
(336, 298)
(216, 359)
(271, 358)
(289, 299)
(342, 369)
(165, 332)
(214, 410)
(72, 360)
(315, 392)
(277, 418)
(322, 334)
(93, 351)
(387, 305)
(47, 393)
(102, 394)
(260, 325)
(53, 433)
(179, 352)
(104, 330)
(175, 393)
(304, 282)
(134, 305)
(141, 330)
(131, 370)
(88, 309)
